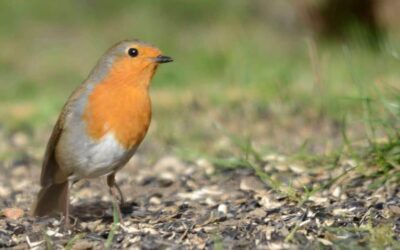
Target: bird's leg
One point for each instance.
(114, 189)
(113, 184)
(67, 206)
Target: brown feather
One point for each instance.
(51, 199)
(53, 195)
(51, 172)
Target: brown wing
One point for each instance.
(50, 167)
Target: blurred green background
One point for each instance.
(243, 64)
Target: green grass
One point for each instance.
(380, 236)
(234, 69)
(228, 57)
(72, 242)
(114, 226)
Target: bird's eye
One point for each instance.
(132, 52)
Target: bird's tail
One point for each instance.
(51, 198)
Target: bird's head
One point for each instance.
(130, 61)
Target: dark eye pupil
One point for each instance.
(133, 52)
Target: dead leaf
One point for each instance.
(13, 213)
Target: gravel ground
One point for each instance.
(175, 204)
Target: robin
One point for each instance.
(101, 125)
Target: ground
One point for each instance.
(269, 200)
(262, 136)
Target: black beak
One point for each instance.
(163, 59)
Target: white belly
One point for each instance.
(103, 157)
(83, 157)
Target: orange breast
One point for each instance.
(119, 106)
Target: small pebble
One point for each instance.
(223, 208)
(155, 200)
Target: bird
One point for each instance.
(100, 127)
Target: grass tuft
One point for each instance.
(72, 242)
(114, 227)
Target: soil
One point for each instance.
(174, 204)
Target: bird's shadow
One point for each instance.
(99, 210)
